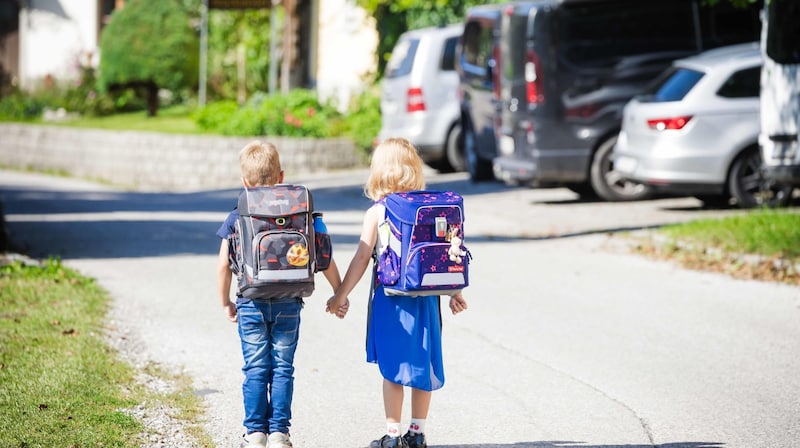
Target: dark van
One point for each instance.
(543, 83)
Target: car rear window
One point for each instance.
(742, 84)
(402, 60)
(672, 85)
(449, 54)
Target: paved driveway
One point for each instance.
(570, 341)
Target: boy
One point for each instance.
(268, 329)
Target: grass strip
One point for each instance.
(763, 231)
(763, 244)
(61, 384)
(170, 120)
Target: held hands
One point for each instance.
(457, 303)
(338, 306)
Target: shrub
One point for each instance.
(215, 115)
(296, 114)
(151, 46)
(21, 107)
(363, 120)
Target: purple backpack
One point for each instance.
(420, 247)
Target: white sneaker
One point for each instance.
(254, 440)
(278, 440)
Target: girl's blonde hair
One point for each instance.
(260, 164)
(395, 167)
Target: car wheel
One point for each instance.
(749, 187)
(455, 148)
(479, 169)
(609, 184)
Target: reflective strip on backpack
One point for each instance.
(285, 274)
(443, 279)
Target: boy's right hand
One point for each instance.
(230, 311)
(338, 306)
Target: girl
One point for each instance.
(403, 333)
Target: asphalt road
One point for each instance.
(570, 340)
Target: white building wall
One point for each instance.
(57, 37)
(346, 41)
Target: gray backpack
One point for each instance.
(274, 250)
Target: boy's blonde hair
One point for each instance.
(260, 164)
(395, 167)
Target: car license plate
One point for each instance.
(506, 145)
(625, 164)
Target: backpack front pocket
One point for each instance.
(281, 256)
(429, 268)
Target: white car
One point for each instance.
(419, 95)
(695, 131)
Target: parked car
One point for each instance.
(780, 95)
(418, 95)
(695, 130)
(479, 54)
(544, 82)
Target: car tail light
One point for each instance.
(414, 100)
(584, 111)
(534, 92)
(672, 123)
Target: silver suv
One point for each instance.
(419, 95)
(695, 130)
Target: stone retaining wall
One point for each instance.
(149, 161)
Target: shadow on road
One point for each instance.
(559, 444)
(553, 236)
(111, 224)
(74, 224)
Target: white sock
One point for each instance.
(393, 429)
(417, 426)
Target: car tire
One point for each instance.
(748, 186)
(480, 170)
(607, 183)
(454, 148)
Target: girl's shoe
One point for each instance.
(389, 442)
(415, 440)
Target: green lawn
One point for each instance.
(761, 244)
(766, 232)
(174, 120)
(61, 384)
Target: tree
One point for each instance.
(394, 17)
(149, 46)
(236, 37)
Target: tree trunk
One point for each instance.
(152, 99)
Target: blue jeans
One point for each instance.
(269, 332)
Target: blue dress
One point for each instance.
(404, 337)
